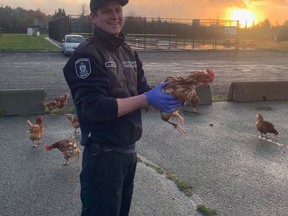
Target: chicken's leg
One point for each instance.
(176, 126)
(174, 116)
(36, 143)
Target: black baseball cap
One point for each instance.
(94, 4)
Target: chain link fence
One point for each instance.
(160, 33)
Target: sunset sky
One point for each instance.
(246, 11)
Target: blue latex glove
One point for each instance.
(162, 101)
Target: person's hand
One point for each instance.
(162, 101)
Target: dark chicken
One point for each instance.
(184, 89)
(36, 130)
(68, 147)
(74, 121)
(264, 127)
(57, 103)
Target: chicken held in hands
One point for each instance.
(184, 90)
(74, 121)
(67, 147)
(36, 130)
(264, 127)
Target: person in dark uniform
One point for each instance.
(108, 87)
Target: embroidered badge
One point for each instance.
(83, 68)
(129, 64)
(110, 64)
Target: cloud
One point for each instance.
(269, 2)
(189, 9)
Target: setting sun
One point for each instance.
(245, 17)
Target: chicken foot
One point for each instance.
(36, 143)
(264, 136)
(66, 162)
(176, 126)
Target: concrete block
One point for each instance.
(258, 91)
(21, 102)
(204, 94)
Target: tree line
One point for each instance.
(17, 20)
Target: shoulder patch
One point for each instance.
(83, 68)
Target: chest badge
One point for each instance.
(83, 68)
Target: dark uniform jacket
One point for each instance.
(100, 70)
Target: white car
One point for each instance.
(70, 43)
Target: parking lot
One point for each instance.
(44, 70)
(230, 169)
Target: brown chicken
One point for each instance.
(57, 103)
(68, 147)
(74, 121)
(184, 89)
(36, 130)
(264, 127)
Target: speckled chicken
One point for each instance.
(264, 127)
(36, 131)
(184, 89)
(57, 103)
(74, 121)
(68, 147)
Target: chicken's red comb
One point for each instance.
(211, 74)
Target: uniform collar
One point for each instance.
(108, 40)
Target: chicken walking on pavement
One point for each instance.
(36, 131)
(74, 121)
(59, 102)
(264, 127)
(67, 147)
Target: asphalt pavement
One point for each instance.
(221, 156)
(34, 182)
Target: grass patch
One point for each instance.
(206, 211)
(183, 186)
(171, 176)
(264, 108)
(156, 168)
(219, 97)
(23, 42)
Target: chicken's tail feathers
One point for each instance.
(48, 147)
(66, 94)
(78, 154)
(29, 123)
(68, 116)
(275, 132)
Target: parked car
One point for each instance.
(70, 43)
(165, 44)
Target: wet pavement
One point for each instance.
(230, 169)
